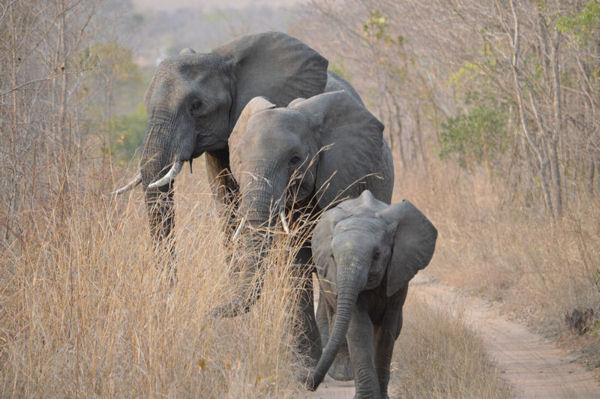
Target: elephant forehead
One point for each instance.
(190, 65)
(175, 75)
(351, 243)
(177, 81)
(277, 127)
(360, 226)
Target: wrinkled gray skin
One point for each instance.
(366, 252)
(195, 99)
(309, 155)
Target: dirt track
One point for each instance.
(533, 365)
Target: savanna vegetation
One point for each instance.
(491, 108)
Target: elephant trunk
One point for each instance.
(157, 157)
(350, 281)
(256, 208)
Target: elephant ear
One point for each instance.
(255, 105)
(351, 141)
(321, 242)
(414, 243)
(273, 65)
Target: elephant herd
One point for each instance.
(282, 135)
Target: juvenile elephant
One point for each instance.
(365, 252)
(318, 151)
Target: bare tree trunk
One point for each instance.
(541, 161)
(62, 133)
(398, 128)
(419, 133)
(556, 132)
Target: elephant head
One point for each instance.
(194, 100)
(361, 245)
(317, 151)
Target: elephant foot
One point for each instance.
(341, 369)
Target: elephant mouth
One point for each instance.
(208, 141)
(282, 217)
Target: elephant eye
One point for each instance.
(295, 160)
(376, 254)
(195, 106)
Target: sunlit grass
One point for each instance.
(86, 312)
(491, 245)
(437, 354)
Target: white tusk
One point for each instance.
(239, 229)
(169, 177)
(136, 180)
(283, 221)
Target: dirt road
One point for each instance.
(532, 364)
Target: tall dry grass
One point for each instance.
(489, 244)
(86, 312)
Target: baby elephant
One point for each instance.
(366, 252)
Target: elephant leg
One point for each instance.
(162, 221)
(360, 340)
(224, 187)
(220, 179)
(385, 337)
(384, 346)
(309, 341)
(225, 190)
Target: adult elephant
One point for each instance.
(309, 155)
(194, 101)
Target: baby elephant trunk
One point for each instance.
(349, 284)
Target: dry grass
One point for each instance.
(535, 268)
(84, 311)
(438, 355)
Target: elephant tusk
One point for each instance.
(169, 177)
(136, 180)
(284, 222)
(239, 230)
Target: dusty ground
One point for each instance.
(332, 389)
(535, 367)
